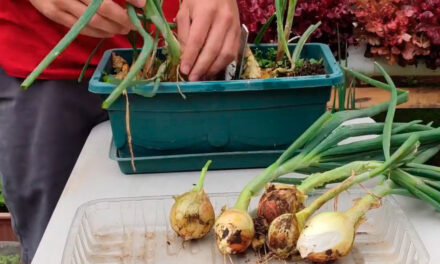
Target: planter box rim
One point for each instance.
(5, 215)
(333, 77)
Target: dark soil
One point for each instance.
(310, 69)
(261, 226)
(3, 209)
(306, 69)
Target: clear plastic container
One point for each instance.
(136, 230)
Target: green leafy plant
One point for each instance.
(10, 259)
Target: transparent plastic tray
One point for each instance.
(136, 230)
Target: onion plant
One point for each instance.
(140, 61)
(330, 235)
(284, 230)
(287, 227)
(152, 13)
(317, 146)
(192, 215)
(284, 33)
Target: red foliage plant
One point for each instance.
(333, 14)
(400, 30)
(254, 14)
(403, 31)
(337, 21)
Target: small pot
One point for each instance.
(6, 231)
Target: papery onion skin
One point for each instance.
(234, 231)
(282, 236)
(278, 199)
(192, 215)
(326, 237)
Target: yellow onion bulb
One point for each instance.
(326, 237)
(282, 235)
(234, 231)
(192, 215)
(278, 199)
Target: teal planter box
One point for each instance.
(218, 117)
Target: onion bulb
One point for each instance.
(278, 199)
(330, 235)
(283, 234)
(234, 231)
(192, 215)
(326, 237)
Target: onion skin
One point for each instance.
(278, 199)
(261, 227)
(192, 215)
(327, 237)
(282, 236)
(234, 231)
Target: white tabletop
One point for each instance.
(95, 176)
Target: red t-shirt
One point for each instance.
(26, 36)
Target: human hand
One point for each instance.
(110, 19)
(209, 33)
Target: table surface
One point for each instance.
(95, 176)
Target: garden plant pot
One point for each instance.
(217, 117)
(6, 231)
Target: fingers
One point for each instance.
(68, 20)
(227, 54)
(198, 33)
(183, 26)
(77, 8)
(137, 3)
(113, 12)
(210, 50)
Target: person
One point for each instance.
(43, 129)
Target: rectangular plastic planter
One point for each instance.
(219, 116)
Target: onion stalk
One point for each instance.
(63, 43)
(283, 230)
(192, 215)
(320, 142)
(152, 12)
(138, 64)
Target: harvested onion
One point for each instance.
(234, 231)
(282, 236)
(326, 237)
(330, 235)
(278, 199)
(192, 215)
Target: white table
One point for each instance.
(95, 176)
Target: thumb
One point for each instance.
(137, 3)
